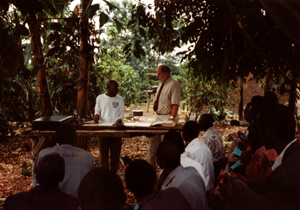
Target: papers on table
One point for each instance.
(167, 123)
(137, 124)
(164, 123)
(99, 124)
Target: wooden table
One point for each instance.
(106, 131)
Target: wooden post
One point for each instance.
(152, 144)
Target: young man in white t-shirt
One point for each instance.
(109, 108)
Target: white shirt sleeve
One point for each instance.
(97, 106)
(121, 112)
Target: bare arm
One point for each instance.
(96, 118)
(174, 111)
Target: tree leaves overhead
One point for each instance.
(110, 5)
(118, 25)
(12, 62)
(92, 9)
(4, 5)
(28, 6)
(103, 19)
(229, 39)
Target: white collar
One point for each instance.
(279, 158)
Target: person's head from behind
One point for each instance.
(175, 137)
(140, 178)
(274, 127)
(163, 72)
(247, 112)
(101, 189)
(190, 130)
(112, 88)
(66, 134)
(271, 98)
(50, 170)
(168, 155)
(206, 121)
(257, 104)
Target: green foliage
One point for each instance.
(91, 11)
(200, 91)
(16, 77)
(112, 59)
(129, 85)
(62, 61)
(220, 115)
(103, 19)
(110, 68)
(13, 62)
(229, 39)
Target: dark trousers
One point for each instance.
(112, 145)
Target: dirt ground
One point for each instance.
(16, 156)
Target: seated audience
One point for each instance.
(214, 141)
(246, 143)
(46, 195)
(259, 168)
(274, 128)
(78, 161)
(212, 137)
(271, 98)
(175, 137)
(140, 179)
(254, 106)
(197, 154)
(187, 180)
(101, 189)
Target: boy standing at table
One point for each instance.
(109, 108)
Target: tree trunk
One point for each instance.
(268, 81)
(241, 104)
(38, 61)
(30, 111)
(84, 69)
(84, 66)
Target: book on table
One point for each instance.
(164, 123)
(167, 123)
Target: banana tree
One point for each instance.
(34, 12)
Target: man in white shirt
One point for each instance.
(109, 108)
(197, 153)
(186, 179)
(78, 162)
(165, 105)
(140, 179)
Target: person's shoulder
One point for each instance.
(119, 97)
(190, 170)
(17, 200)
(82, 151)
(70, 202)
(103, 95)
(17, 196)
(203, 148)
(48, 150)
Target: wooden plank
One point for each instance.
(97, 127)
(98, 133)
